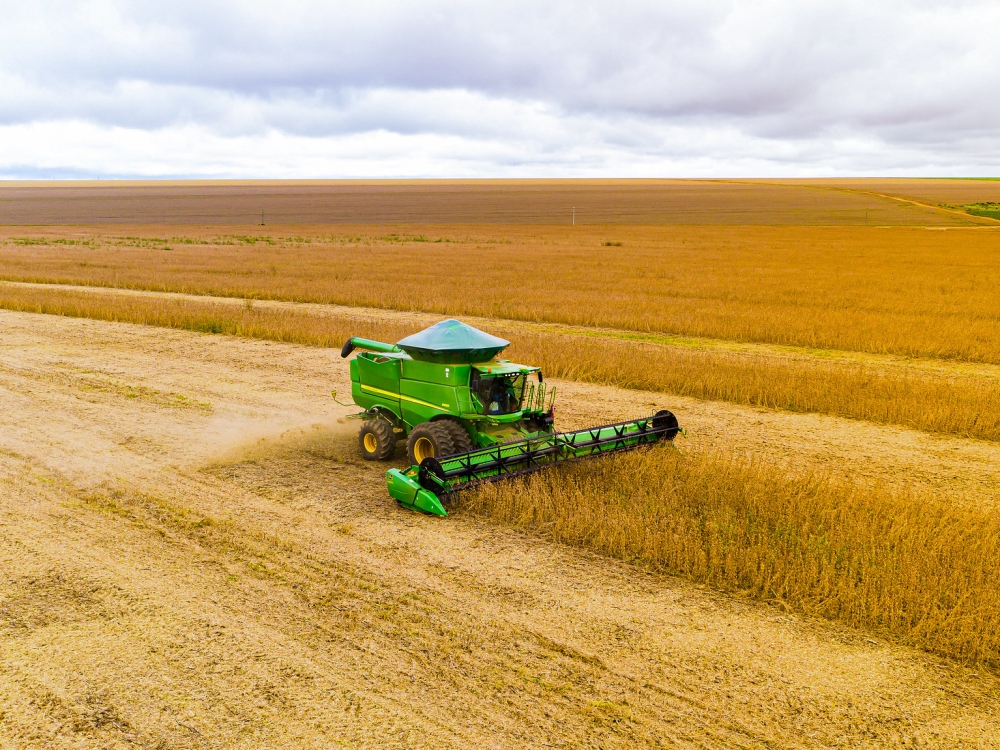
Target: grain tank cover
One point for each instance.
(452, 341)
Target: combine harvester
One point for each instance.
(467, 416)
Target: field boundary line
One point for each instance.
(971, 217)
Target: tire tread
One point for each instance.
(461, 442)
(385, 436)
(438, 434)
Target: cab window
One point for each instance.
(499, 394)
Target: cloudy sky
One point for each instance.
(372, 88)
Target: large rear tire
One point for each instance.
(429, 440)
(377, 440)
(461, 442)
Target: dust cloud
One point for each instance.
(237, 441)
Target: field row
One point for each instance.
(910, 565)
(947, 401)
(905, 291)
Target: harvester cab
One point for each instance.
(466, 416)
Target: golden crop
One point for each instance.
(953, 404)
(948, 403)
(906, 290)
(908, 566)
(204, 316)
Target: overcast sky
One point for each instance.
(327, 89)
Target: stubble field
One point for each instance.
(833, 350)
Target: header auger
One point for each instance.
(467, 416)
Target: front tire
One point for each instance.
(461, 442)
(429, 440)
(377, 440)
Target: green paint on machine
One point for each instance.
(467, 417)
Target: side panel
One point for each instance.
(356, 394)
(465, 404)
(378, 381)
(423, 401)
(430, 389)
(431, 372)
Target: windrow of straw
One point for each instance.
(957, 405)
(905, 566)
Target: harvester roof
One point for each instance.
(503, 368)
(452, 341)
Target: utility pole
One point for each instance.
(574, 215)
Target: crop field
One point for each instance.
(506, 202)
(195, 555)
(942, 193)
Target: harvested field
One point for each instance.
(225, 573)
(194, 554)
(929, 191)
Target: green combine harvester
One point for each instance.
(468, 417)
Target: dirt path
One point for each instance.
(193, 556)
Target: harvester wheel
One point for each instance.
(377, 440)
(429, 440)
(666, 423)
(460, 440)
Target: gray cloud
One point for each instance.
(544, 88)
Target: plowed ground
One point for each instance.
(580, 202)
(219, 569)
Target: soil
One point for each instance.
(555, 202)
(193, 554)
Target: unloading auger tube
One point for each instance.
(427, 486)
